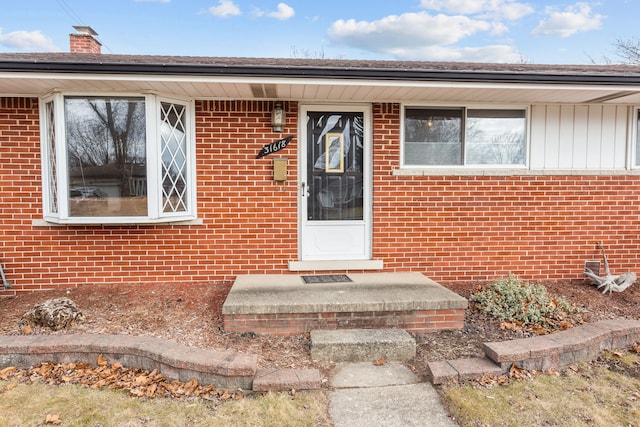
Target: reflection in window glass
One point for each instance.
(460, 136)
(106, 154)
(495, 137)
(50, 126)
(433, 136)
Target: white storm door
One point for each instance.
(335, 183)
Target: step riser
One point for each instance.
(362, 345)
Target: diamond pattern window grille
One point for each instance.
(53, 183)
(174, 157)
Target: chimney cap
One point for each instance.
(85, 30)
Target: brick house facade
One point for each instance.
(539, 222)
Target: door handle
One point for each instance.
(303, 189)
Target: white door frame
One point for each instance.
(363, 229)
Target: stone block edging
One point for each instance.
(545, 352)
(226, 370)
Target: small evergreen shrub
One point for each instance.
(510, 299)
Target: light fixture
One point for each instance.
(278, 118)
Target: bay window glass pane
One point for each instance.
(173, 146)
(51, 156)
(495, 137)
(433, 136)
(106, 156)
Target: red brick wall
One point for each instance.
(474, 228)
(81, 43)
(450, 228)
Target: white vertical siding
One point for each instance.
(578, 157)
(552, 141)
(566, 144)
(538, 137)
(579, 136)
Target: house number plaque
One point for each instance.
(278, 145)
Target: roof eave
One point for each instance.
(313, 72)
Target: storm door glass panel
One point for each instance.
(106, 156)
(335, 166)
(51, 157)
(173, 147)
(495, 137)
(433, 136)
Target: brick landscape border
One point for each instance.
(227, 370)
(231, 370)
(546, 352)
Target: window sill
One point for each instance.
(45, 223)
(511, 172)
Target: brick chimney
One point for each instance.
(84, 40)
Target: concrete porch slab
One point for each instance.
(286, 305)
(288, 293)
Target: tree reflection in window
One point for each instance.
(460, 136)
(106, 155)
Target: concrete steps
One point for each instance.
(362, 345)
(284, 305)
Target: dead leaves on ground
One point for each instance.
(515, 325)
(379, 362)
(515, 373)
(53, 419)
(138, 382)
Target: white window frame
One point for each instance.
(153, 153)
(464, 166)
(634, 133)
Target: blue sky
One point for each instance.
(554, 32)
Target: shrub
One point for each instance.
(511, 299)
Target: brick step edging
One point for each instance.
(226, 370)
(545, 352)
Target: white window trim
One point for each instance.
(634, 134)
(154, 202)
(472, 169)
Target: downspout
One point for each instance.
(5, 282)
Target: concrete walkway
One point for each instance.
(390, 395)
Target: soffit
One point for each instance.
(318, 90)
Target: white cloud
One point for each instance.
(576, 18)
(224, 8)
(498, 28)
(421, 36)
(410, 30)
(283, 13)
(498, 9)
(33, 41)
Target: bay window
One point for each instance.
(117, 159)
(457, 136)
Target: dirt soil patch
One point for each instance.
(192, 315)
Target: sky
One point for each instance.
(499, 31)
